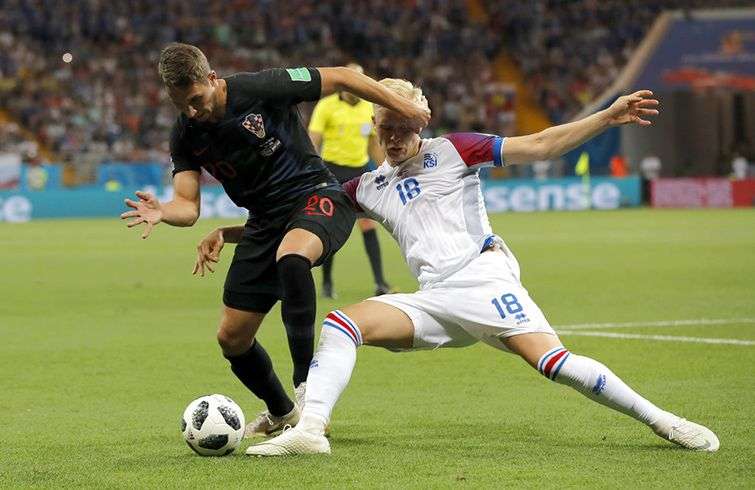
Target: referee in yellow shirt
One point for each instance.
(341, 129)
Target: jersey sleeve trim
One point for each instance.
(478, 149)
(497, 152)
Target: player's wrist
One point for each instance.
(606, 119)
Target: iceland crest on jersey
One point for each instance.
(255, 125)
(430, 160)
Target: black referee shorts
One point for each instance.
(252, 282)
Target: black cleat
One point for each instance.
(382, 289)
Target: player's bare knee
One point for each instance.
(300, 242)
(233, 341)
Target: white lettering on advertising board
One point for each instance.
(551, 197)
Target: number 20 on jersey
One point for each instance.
(408, 189)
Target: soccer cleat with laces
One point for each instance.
(691, 436)
(267, 425)
(291, 442)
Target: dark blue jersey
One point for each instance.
(260, 150)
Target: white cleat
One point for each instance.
(291, 442)
(691, 436)
(268, 425)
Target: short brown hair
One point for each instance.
(182, 65)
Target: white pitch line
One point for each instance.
(663, 323)
(669, 338)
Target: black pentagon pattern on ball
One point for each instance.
(200, 414)
(230, 416)
(183, 424)
(214, 442)
(193, 448)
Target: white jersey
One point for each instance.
(432, 203)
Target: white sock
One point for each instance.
(330, 370)
(597, 382)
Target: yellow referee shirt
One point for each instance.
(345, 130)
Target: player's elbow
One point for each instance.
(190, 212)
(192, 219)
(193, 215)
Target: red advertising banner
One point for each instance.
(704, 192)
(743, 192)
(691, 193)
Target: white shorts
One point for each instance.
(483, 301)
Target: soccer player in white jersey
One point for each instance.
(427, 194)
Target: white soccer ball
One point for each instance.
(213, 425)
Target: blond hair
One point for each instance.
(406, 89)
(182, 65)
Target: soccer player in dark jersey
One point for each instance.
(246, 131)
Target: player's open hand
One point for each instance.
(208, 252)
(633, 108)
(147, 210)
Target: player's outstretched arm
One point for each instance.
(183, 210)
(557, 140)
(340, 79)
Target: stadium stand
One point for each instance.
(106, 101)
(571, 51)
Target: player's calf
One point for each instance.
(597, 382)
(331, 368)
(298, 311)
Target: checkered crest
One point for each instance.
(255, 125)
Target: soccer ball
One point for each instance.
(213, 425)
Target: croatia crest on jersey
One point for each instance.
(255, 125)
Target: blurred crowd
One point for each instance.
(571, 51)
(82, 74)
(13, 140)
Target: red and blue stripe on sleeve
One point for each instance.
(478, 149)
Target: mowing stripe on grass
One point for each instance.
(663, 323)
(668, 338)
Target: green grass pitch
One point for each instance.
(104, 338)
